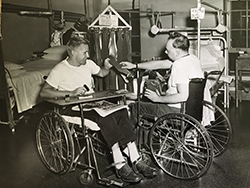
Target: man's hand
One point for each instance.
(79, 91)
(153, 96)
(104, 71)
(127, 65)
(107, 64)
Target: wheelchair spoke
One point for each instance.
(219, 128)
(55, 143)
(177, 155)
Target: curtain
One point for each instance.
(116, 43)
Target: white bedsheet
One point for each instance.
(27, 84)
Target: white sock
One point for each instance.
(132, 151)
(126, 151)
(117, 156)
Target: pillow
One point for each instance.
(56, 49)
(12, 66)
(55, 56)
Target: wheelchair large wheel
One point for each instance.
(218, 127)
(181, 146)
(55, 143)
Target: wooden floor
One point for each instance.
(21, 167)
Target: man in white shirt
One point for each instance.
(72, 77)
(183, 66)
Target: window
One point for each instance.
(240, 26)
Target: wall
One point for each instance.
(121, 4)
(22, 35)
(154, 45)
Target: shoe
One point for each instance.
(142, 168)
(127, 175)
(126, 75)
(117, 66)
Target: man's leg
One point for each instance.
(131, 149)
(123, 170)
(150, 109)
(138, 165)
(113, 135)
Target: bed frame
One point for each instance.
(224, 47)
(5, 95)
(52, 15)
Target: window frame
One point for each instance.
(245, 29)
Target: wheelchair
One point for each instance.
(218, 127)
(183, 144)
(66, 142)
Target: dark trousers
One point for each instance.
(150, 109)
(115, 128)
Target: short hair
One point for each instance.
(76, 41)
(180, 41)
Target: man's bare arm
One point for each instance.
(180, 96)
(149, 65)
(104, 71)
(50, 92)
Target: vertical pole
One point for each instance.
(85, 8)
(0, 19)
(199, 29)
(226, 97)
(51, 19)
(227, 21)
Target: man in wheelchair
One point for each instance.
(182, 68)
(171, 124)
(73, 77)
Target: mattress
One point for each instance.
(27, 82)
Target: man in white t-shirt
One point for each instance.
(72, 77)
(183, 67)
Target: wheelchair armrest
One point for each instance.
(214, 73)
(146, 121)
(148, 117)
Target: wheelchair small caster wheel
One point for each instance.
(85, 177)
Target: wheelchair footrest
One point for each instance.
(108, 182)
